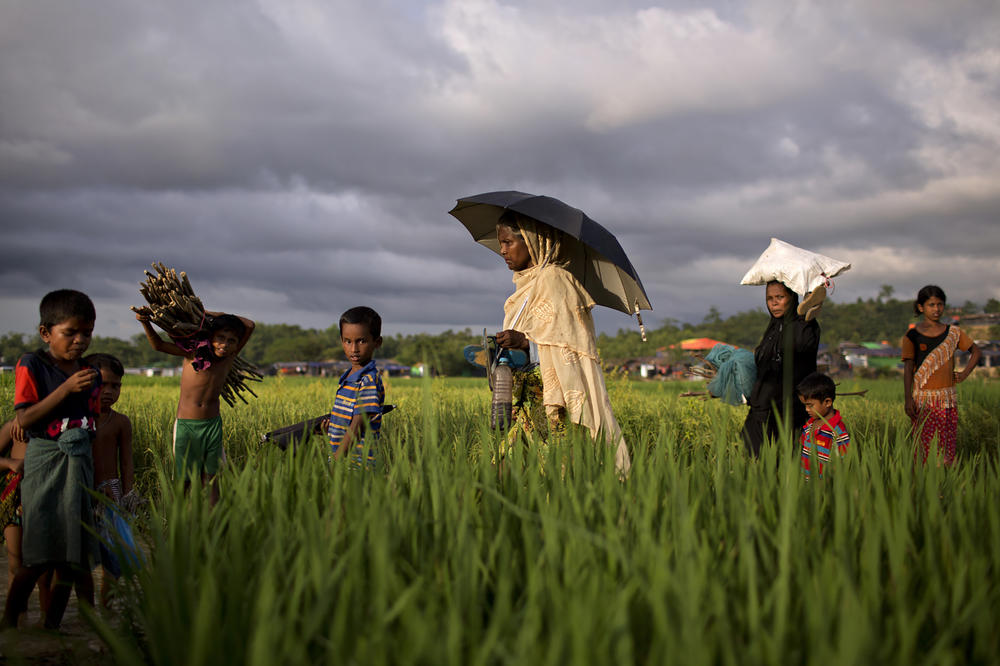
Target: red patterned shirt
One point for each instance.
(823, 435)
(35, 377)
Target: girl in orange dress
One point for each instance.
(929, 376)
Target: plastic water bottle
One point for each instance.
(503, 391)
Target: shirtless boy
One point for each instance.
(113, 467)
(207, 360)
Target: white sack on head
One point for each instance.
(800, 270)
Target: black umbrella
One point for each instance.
(605, 272)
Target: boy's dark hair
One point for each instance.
(817, 386)
(362, 315)
(926, 293)
(62, 304)
(227, 322)
(105, 362)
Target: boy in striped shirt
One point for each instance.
(824, 430)
(356, 416)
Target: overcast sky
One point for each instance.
(299, 157)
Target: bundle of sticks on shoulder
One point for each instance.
(174, 307)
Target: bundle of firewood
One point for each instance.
(236, 381)
(174, 307)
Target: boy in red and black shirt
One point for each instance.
(56, 403)
(824, 434)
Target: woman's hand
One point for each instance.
(511, 339)
(911, 409)
(960, 377)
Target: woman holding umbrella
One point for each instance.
(550, 308)
(564, 263)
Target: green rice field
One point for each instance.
(443, 556)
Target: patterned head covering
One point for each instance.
(546, 245)
(551, 307)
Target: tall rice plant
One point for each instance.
(443, 555)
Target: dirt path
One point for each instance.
(75, 643)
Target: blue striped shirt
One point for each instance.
(360, 392)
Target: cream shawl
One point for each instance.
(552, 309)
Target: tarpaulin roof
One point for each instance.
(697, 344)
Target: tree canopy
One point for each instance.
(876, 319)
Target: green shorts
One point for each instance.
(197, 446)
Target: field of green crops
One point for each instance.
(442, 556)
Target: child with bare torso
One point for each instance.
(113, 467)
(207, 361)
(114, 472)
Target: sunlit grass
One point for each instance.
(441, 556)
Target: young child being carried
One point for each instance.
(12, 448)
(56, 404)
(824, 433)
(207, 361)
(113, 469)
(929, 376)
(356, 416)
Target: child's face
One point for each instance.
(359, 345)
(932, 308)
(69, 339)
(111, 389)
(816, 408)
(778, 300)
(512, 249)
(225, 343)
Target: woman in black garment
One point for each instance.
(785, 355)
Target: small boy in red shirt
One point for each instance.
(825, 431)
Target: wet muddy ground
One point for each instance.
(75, 642)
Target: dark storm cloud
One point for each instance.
(299, 157)
(206, 96)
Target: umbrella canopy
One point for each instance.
(605, 272)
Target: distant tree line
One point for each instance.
(272, 343)
(872, 320)
(881, 318)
